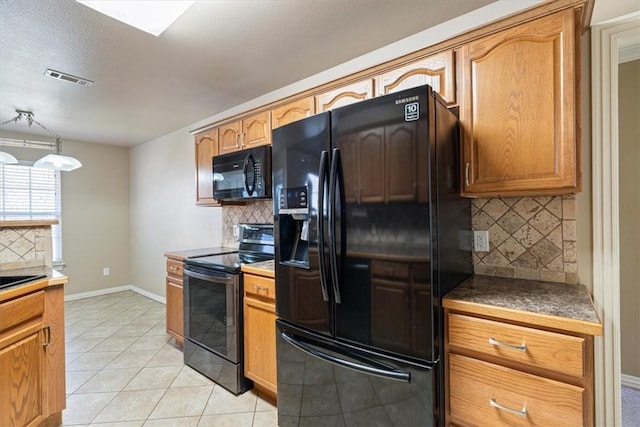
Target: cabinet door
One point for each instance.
(260, 342)
(400, 162)
(175, 310)
(206, 147)
(21, 384)
(229, 138)
(256, 130)
(518, 110)
(55, 395)
(292, 112)
(436, 70)
(344, 95)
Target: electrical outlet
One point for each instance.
(105, 271)
(481, 241)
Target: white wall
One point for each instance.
(164, 216)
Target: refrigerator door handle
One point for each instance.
(322, 174)
(333, 258)
(364, 366)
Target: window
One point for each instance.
(32, 193)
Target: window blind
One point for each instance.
(28, 193)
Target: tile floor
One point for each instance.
(124, 370)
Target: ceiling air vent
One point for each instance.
(67, 77)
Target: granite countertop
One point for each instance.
(557, 305)
(263, 268)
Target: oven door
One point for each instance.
(212, 311)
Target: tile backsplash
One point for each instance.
(24, 247)
(529, 237)
(257, 212)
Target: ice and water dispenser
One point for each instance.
(296, 224)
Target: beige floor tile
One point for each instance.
(150, 342)
(152, 378)
(101, 332)
(116, 343)
(189, 377)
(264, 405)
(92, 361)
(75, 379)
(83, 408)
(130, 406)
(109, 380)
(137, 423)
(132, 359)
(227, 420)
(168, 355)
(158, 328)
(224, 402)
(173, 422)
(133, 331)
(266, 419)
(182, 402)
(82, 344)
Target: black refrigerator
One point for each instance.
(370, 233)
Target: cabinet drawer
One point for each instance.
(259, 286)
(174, 268)
(482, 393)
(532, 347)
(21, 309)
(395, 270)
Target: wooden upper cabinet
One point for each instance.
(437, 70)
(256, 130)
(345, 95)
(206, 147)
(518, 110)
(229, 135)
(292, 112)
(249, 132)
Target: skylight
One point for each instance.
(151, 16)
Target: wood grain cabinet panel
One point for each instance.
(437, 70)
(206, 146)
(518, 110)
(260, 332)
(230, 135)
(292, 112)
(344, 95)
(55, 394)
(256, 130)
(175, 300)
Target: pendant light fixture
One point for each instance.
(51, 161)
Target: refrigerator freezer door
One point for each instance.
(328, 386)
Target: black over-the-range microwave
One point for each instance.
(243, 175)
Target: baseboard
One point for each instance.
(630, 381)
(113, 290)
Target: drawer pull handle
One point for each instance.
(260, 288)
(522, 412)
(47, 330)
(172, 268)
(521, 347)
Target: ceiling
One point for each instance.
(217, 55)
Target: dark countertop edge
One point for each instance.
(53, 278)
(195, 253)
(549, 304)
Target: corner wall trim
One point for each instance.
(630, 381)
(113, 290)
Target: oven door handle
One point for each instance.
(365, 365)
(213, 277)
(250, 188)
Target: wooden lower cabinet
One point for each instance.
(32, 359)
(506, 373)
(260, 332)
(174, 306)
